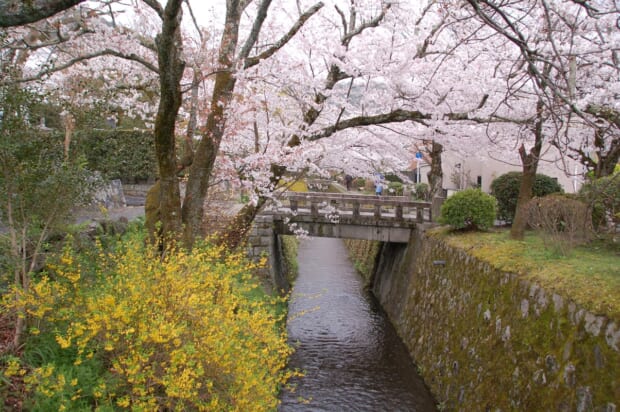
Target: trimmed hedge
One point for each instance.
(469, 209)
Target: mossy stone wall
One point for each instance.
(487, 340)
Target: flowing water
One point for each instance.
(350, 353)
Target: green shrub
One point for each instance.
(391, 177)
(358, 182)
(395, 189)
(469, 209)
(422, 191)
(604, 197)
(505, 188)
(128, 155)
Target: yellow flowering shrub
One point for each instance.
(186, 332)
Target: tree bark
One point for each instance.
(529, 162)
(206, 152)
(435, 175)
(18, 12)
(170, 72)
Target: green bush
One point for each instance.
(395, 189)
(391, 177)
(358, 182)
(422, 191)
(604, 197)
(128, 155)
(469, 209)
(505, 188)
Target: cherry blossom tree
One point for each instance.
(282, 86)
(568, 58)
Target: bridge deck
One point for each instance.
(366, 209)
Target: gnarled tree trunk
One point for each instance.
(171, 68)
(435, 175)
(530, 167)
(206, 152)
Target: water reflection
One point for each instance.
(352, 358)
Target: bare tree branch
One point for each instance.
(261, 15)
(196, 26)
(346, 39)
(343, 19)
(154, 4)
(18, 12)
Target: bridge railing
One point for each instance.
(383, 207)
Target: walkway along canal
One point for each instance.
(351, 355)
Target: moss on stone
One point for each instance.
(493, 339)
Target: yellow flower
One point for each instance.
(63, 342)
(123, 402)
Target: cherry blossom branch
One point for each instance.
(252, 61)
(531, 57)
(106, 52)
(395, 116)
(604, 112)
(346, 39)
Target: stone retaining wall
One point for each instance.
(487, 340)
(263, 242)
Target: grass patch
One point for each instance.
(589, 274)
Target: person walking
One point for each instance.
(378, 184)
(348, 179)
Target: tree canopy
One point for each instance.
(246, 89)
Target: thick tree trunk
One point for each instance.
(170, 72)
(207, 150)
(435, 175)
(530, 167)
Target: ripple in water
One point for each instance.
(350, 353)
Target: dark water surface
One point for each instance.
(352, 358)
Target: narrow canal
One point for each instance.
(350, 353)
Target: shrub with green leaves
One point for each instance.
(422, 191)
(603, 195)
(469, 209)
(505, 188)
(128, 155)
(395, 188)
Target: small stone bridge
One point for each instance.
(353, 216)
(340, 215)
